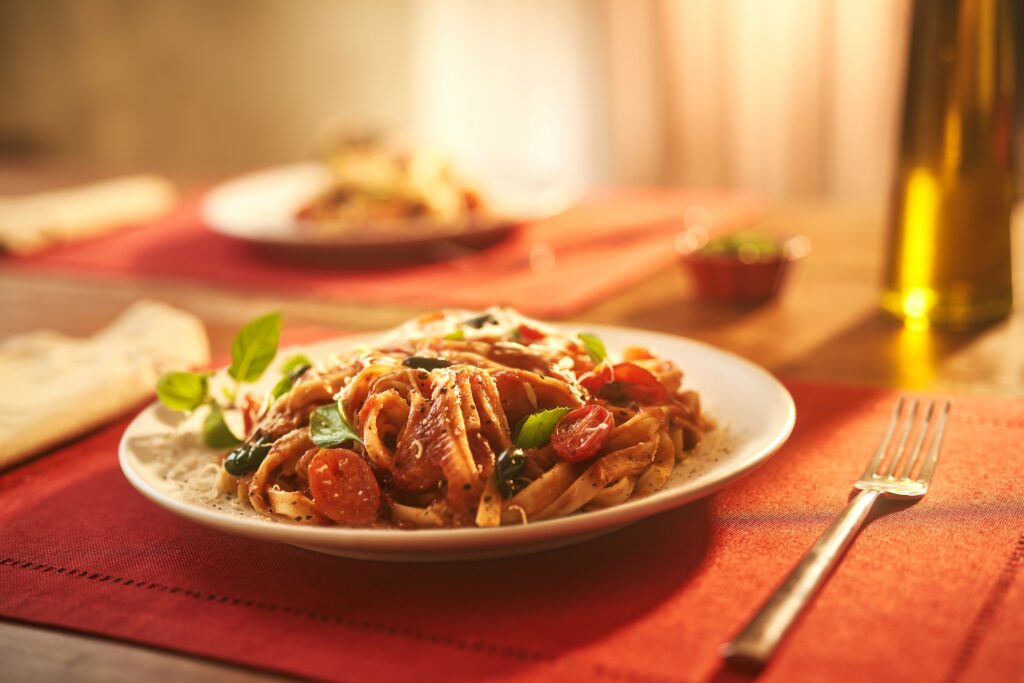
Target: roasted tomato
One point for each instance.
(343, 486)
(527, 334)
(624, 383)
(580, 434)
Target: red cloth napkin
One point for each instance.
(178, 247)
(929, 592)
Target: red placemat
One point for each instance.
(178, 247)
(929, 592)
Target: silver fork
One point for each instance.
(754, 644)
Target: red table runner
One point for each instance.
(929, 592)
(178, 247)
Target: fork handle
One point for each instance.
(753, 646)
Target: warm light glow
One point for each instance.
(920, 217)
(915, 357)
(916, 304)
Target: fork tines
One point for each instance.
(885, 465)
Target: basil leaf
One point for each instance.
(254, 347)
(248, 456)
(424, 363)
(299, 360)
(216, 433)
(457, 335)
(329, 428)
(594, 346)
(183, 390)
(535, 430)
(288, 381)
(510, 465)
(282, 387)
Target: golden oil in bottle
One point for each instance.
(949, 228)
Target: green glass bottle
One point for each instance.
(949, 228)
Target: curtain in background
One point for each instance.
(782, 97)
(789, 97)
(778, 97)
(515, 89)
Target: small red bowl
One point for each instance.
(735, 278)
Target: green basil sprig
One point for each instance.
(328, 427)
(255, 347)
(291, 370)
(509, 467)
(593, 346)
(216, 433)
(293, 363)
(456, 335)
(183, 390)
(534, 431)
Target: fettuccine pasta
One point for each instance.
(460, 420)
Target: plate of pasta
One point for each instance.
(370, 199)
(458, 435)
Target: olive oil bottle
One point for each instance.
(949, 227)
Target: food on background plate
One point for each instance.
(454, 419)
(373, 182)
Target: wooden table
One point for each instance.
(826, 326)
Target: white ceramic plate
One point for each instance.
(260, 208)
(755, 414)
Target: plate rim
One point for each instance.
(399, 541)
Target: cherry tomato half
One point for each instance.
(627, 382)
(594, 380)
(580, 434)
(528, 334)
(343, 486)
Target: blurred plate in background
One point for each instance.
(260, 208)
